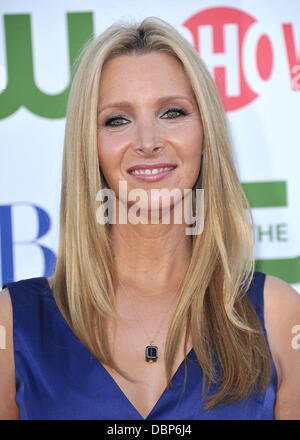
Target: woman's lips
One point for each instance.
(152, 177)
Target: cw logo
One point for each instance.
(21, 89)
(238, 52)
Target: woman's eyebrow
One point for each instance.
(129, 104)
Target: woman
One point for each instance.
(142, 320)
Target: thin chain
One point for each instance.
(138, 319)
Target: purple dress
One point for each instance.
(57, 377)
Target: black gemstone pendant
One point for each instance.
(151, 353)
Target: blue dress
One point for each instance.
(57, 377)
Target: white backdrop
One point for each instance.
(252, 48)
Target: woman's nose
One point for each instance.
(148, 141)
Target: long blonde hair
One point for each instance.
(220, 315)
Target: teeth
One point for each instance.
(154, 171)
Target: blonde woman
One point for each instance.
(141, 320)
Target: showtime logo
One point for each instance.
(238, 54)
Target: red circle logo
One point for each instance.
(219, 36)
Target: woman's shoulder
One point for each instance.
(23, 307)
(282, 315)
(28, 291)
(34, 284)
(282, 322)
(18, 299)
(5, 316)
(28, 303)
(8, 407)
(282, 302)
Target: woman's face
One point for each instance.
(147, 115)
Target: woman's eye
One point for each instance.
(175, 113)
(115, 122)
(172, 113)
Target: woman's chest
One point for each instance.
(147, 380)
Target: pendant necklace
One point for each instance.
(151, 350)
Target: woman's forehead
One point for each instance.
(155, 73)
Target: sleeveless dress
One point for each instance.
(57, 377)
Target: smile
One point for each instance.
(151, 175)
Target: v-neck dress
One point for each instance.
(58, 378)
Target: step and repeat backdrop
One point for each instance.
(252, 48)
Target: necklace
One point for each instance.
(151, 350)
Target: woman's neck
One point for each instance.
(151, 258)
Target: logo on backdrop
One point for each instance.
(238, 53)
(10, 216)
(242, 59)
(21, 89)
(231, 42)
